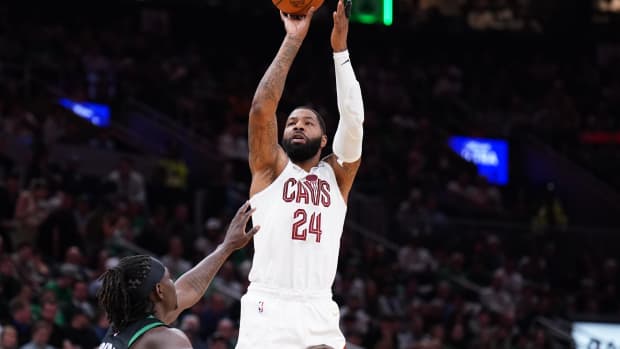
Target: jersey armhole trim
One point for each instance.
(142, 331)
(289, 163)
(333, 173)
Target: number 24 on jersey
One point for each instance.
(304, 225)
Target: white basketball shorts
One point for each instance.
(285, 319)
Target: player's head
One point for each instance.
(304, 134)
(130, 290)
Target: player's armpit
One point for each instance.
(345, 173)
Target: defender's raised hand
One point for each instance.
(236, 236)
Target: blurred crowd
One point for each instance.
(437, 286)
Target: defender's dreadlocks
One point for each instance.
(115, 295)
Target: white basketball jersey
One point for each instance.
(301, 215)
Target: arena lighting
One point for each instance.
(97, 114)
(588, 335)
(387, 12)
(489, 155)
(373, 11)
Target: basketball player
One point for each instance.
(301, 202)
(141, 299)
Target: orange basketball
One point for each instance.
(297, 7)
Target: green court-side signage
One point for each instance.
(372, 11)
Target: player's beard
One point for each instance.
(298, 152)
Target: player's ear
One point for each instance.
(159, 292)
(323, 141)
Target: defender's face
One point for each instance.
(303, 137)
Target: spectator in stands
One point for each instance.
(41, 332)
(232, 143)
(496, 297)
(550, 214)
(155, 234)
(80, 331)
(176, 172)
(58, 232)
(217, 341)
(211, 315)
(31, 269)
(226, 330)
(190, 325)
(179, 224)
(9, 194)
(8, 337)
(226, 282)
(101, 324)
(128, 182)
(415, 259)
(174, 258)
(51, 314)
(32, 208)
(104, 140)
(457, 337)
(354, 311)
(60, 283)
(80, 301)
(9, 285)
(21, 319)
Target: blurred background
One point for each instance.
(485, 213)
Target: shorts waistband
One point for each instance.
(289, 293)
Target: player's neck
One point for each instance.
(159, 312)
(307, 165)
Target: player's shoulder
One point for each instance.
(329, 159)
(328, 162)
(339, 167)
(163, 337)
(343, 172)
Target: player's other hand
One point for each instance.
(236, 236)
(341, 28)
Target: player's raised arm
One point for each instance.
(266, 157)
(347, 145)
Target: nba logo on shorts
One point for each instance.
(260, 306)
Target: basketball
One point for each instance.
(296, 7)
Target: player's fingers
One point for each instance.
(253, 231)
(339, 12)
(248, 214)
(311, 12)
(243, 207)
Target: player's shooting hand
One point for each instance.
(236, 236)
(297, 26)
(341, 28)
